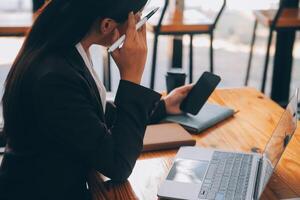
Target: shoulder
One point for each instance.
(52, 63)
(53, 69)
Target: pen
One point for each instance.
(115, 45)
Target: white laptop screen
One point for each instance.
(279, 140)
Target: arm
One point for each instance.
(110, 114)
(67, 116)
(158, 113)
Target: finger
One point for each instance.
(141, 36)
(185, 88)
(116, 52)
(189, 86)
(137, 16)
(130, 32)
(143, 32)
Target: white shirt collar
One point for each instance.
(87, 60)
(89, 64)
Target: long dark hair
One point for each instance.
(61, 24)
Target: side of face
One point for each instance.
(106, 28)
(104, 31)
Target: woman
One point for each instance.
(57, 123)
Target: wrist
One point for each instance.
(166, 102)
(131, 79)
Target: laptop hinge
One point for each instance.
(257, 181)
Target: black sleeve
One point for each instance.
(110, 114)
(158, 113)
(67, 115)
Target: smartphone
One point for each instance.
(200, 93)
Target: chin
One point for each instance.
(106, 44)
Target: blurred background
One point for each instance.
(231, 45)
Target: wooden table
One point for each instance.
(250, 128)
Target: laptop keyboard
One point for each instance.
(227, 176)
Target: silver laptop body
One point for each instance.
(201, 173)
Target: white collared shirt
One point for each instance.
(89, 64)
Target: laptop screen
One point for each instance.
(279, 140)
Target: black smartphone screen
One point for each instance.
(200, 93)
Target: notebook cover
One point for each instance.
(208, 116)
(166, 136)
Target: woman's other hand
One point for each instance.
(131, 57)
(174, 99)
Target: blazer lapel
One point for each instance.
(77, 62)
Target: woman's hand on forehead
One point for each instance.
(123, 27)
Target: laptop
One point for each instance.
(201, 173)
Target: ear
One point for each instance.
(107, 25)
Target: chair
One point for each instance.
(15, 24)
(181, 24)
(18, 23)
(281, 19)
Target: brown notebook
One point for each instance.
(166, 136)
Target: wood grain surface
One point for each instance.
(250, 128)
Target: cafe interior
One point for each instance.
(252, 46)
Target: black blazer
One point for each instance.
(63, 132)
